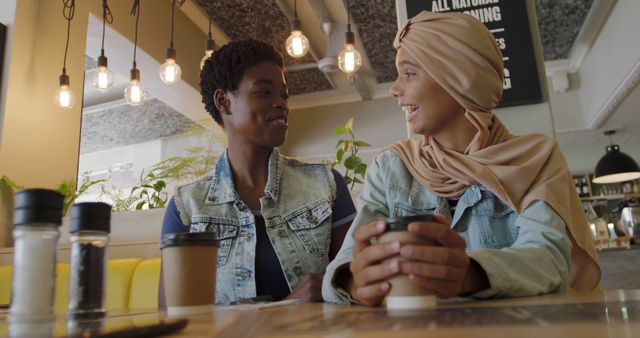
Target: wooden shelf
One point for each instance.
(603, 198)
(610, 197)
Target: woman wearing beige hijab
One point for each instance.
(509, 222)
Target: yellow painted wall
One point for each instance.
(39, 143)
(311, 130)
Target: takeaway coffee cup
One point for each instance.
(404, 294)
(189, 263)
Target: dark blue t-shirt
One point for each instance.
(270, 279)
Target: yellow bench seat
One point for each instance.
(132, 283)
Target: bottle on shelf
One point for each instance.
(585, 187)
(576, 183)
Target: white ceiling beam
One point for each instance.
(181, 96)
(201, 20)
(594, 21)
(289, 14)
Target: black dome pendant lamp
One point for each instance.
(615, 166)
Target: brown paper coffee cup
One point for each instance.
(403, 293)
(189, 264)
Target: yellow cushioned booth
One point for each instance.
(130, 282)
(119, 277)
(6, 273)
(144, 286)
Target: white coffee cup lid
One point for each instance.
(188, 310)
(411, 302)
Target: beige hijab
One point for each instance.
(462, 56)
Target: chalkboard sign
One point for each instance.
(509, 23)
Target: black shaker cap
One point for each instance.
(91, 216)
(38, 207)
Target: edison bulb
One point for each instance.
(64, 97)
(170, 72)
(297, 44)
(207, 55)
(135, 93)
(349, 60)
(102, 79)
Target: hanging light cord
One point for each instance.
(348, 17)
(106, 18)
(68, 10)
(173, 11)
(209, 23)
(252, 11)
(135, 11)
(295, 9)
(609, 133)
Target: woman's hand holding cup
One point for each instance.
(417, 256)
(369, 274)
(440, 268)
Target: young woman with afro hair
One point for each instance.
(279, 220)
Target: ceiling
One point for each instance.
(124, 125)
(560, 23)
(375, 26)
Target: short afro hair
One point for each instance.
(225, 68)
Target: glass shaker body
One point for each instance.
(88, 273)
(34, 271)
(90, 226)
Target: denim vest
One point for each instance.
(297, 211)
(523, 254)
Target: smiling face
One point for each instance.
(257, 112)
(429, 109)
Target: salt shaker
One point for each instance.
(90, 225)
(37, 216)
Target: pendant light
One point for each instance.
(135, 93)
(170, 71)
(209, 46)
(297, 44)
(103, 79)
(349, 59)
(65, 98)
(615, 166)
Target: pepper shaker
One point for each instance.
(90, 226)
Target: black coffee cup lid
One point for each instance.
(38, 207)
(400, 223)
(189, 238)
(92, 216)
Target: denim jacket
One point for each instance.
(523, 254)
(297, 213)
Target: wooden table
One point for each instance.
(593, 314)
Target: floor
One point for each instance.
(620, 268)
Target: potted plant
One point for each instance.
(347, 150)
(7, 191)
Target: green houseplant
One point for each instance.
(7, 190)
(347, 155)
(150, 192)
(71, 190)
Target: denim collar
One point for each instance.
(222, 189)
(472, 195)
(272, 188)
(469, 198)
